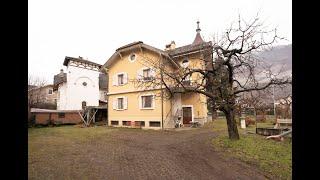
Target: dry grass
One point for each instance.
(273, 158)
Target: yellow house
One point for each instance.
(131, 104)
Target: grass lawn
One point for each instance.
(272, 157)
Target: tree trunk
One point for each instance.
(232, 124)
(214, 113)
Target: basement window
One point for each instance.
(126, 123)
(140, 123)
(115, 123)
(61, 115)
(154, 124)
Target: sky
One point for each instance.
(94, 29)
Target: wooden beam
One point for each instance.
(120, 55)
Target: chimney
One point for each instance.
(170, 46)
(61, 72)
(80, 57)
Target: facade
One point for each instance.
(80, 85)
(131, 105)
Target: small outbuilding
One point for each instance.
(48, 116)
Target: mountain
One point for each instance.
(278, 56)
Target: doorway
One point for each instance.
(187, 115)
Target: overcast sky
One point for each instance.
(94, 29)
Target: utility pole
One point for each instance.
(274, 104)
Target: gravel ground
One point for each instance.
(134, 154)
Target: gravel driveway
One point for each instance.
(140, 154)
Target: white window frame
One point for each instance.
(140, 75)
(153, 101)
(122, 79)
(124, 103)
(187, 64)
(49, 92)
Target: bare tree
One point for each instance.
(35, 86)
(230, 67)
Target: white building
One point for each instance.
(81, 85)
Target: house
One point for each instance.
(132, 105)
(81, 85)
(41, 95)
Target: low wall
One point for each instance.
(44, 118)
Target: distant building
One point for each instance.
(81, 85)
(41, 95)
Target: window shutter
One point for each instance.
(152, 72)
(125, 103)
(114, 103)
(115, 80)
(125, 78)
(154, 101)
(140, 102)
(139, 74)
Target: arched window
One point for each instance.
(84, 104)
(185, 63)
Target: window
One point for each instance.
(115, 123)
(61, 115)
(83, 104)
(147, 101)
(120, 103)
(154, 124)
(120, 79)
(126, 123)
(84, 84)
(132, 57)
(185, 63)
(50, 91)
(187, 81)
(147, 74)
(139, 123)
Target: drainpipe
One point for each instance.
(161, 92)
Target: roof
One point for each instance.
(67, 60)
(32, 88)
(134, 45)
(198, 39)
(37, 110)
(189, 48)
(130, 44)
(59, 78)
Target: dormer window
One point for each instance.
(132, 57)
(185, 63)
(84, 83)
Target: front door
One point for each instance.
(187, 115)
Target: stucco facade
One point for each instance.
(81, 85)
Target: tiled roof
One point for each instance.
(189, 48)
(58, 79)
(130, 44)
(198, 39)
